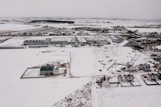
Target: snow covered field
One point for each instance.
(143, 96)
(47, 91)
(43, 92)
(15, 27)
(146, 30)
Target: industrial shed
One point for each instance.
(34, 42)
(46, 70)
(95, 41)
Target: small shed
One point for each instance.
(46, 70)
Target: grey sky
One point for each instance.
(144, 9)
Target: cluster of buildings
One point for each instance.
(73, 41)
(47, 70)
(126, 76)
(145, 39)
(93, 29)
(142, 67)
(128, 80)
(102, 30)
(44, 31)
(122, 80)
(152, 78)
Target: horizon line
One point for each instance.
(114, 18)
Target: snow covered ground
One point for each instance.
(159, 46)
(143, 96)
(80, 98)
(146, 30)
(86, 62)
(109, 55)
(15, 27)
(43, 92)
(18, 41)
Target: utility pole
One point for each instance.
(69, 66)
